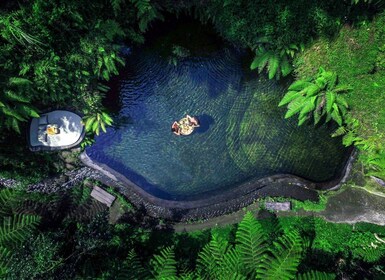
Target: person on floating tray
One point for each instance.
(175, 128)
(193, 121)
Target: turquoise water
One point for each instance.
(243, 134)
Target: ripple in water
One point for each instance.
(243, 134)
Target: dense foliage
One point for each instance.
(54, 55)
(70, 237)
(59, 54)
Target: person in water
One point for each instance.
(175, 128)
(193, 121)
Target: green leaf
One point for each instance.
(289, 96)
(211, 257)
(299, 85)
(295, 106)
(342, 88)
(89, 123)
(15, 229)
(317, 116)
(103, 126)
(251, 240)
(107, 118)
(339, 131)
(342, 101)
(260, 61)
(286, 67)
(12, 96)
(337, 117)
(284, 258)
(164, 265)
(273, 66)
(312, 90)
(330, 98)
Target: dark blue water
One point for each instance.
(243, 134)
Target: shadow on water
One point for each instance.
(205, 121)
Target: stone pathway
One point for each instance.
(351, 205)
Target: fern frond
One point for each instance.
(232, 264)
(133, 269)
(250, 239)
(339, 131)
(286, 67)
(260, 61)
(12, 96)
(295, 106)
(299, 85)
(289, 96)
(283, 258)
(273, 65)
(18, 81)
(312, 89)
(17, 228)
(27, 110)
(210, 258)
(164, 265)
(5, 254)
(330, 97)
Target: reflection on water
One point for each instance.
(243, 134)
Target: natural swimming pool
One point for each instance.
(243, 134)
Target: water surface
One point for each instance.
(243, 134)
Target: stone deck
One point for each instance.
(71, 131)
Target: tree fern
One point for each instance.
(251, 240)
(164, 265)
(283, 258)
(315, 275)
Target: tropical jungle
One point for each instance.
(69, 54)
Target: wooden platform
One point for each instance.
(101, 195)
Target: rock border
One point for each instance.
(282, 185)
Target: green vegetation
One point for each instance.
(78, 242)
(320, 97)
(357, 56)
(60, 54)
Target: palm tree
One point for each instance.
(319, 96)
